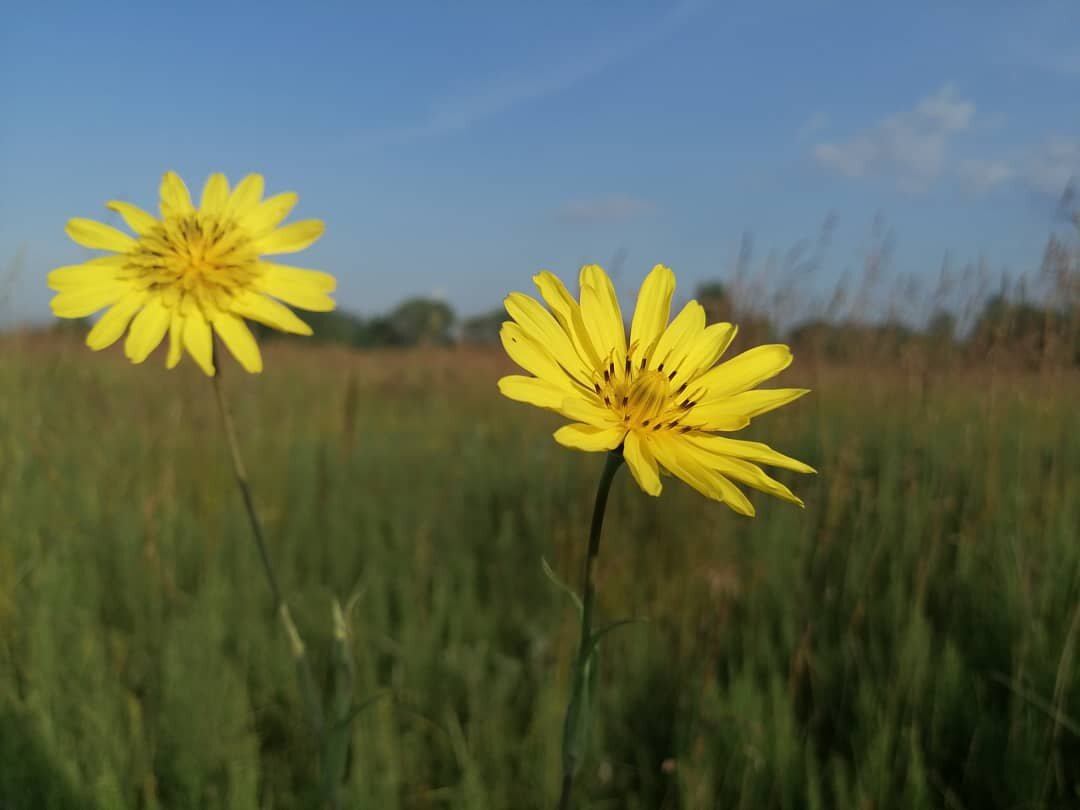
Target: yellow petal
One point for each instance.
(678, 337)
(269, 312)
(112, 324)
(687, 462)
(176, 339)
(302, 288)
(589, 437)
(78, 302)
(748, 403)
(147, 330)
(215, 195)
(291, 238)
(175, 197)
(137, 219)
(239, 340)
(744, 371)
(533, 357)
(98, 236)
(268, 214)
(653, 307)
(642, 463)
(703, 351)
(79, 276)
(583, 409)
(601, 313)
(246, 195)
(199, 341)
(532, 391)
(753, 476)
(540, 325)
(568, 314)
(751, 451)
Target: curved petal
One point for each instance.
(568, 313)
(147, 330)
(745, 371)
(532, 391)
(589, 437)
(642, 463)
(137, 219)
(750, 451)
(81, 276)
(110, 327)
(540, 325)
(687, 462)
(703, 351)
(290, 238)
(98, 236)
(306, 289)
(78, 302)
(199, 341)
(748, 403)
(246, 196)
(176, 339)
(239, 340)
(268, 214)
(601, 313)
(268, 312)
(215, 195)
(753, 476)
(533, 357)
(653, 307)
(678, 337)
(175, 197)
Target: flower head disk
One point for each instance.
(659, 395)
(193, 272)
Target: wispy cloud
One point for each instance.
(612, 208)
(463, 110)
(813, 124)
(981, 176)
(908, 147)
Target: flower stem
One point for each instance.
(577, 710)
(308, 688)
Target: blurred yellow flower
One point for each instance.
(193, 272)
(659, 397)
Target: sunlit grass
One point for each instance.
(909, 640)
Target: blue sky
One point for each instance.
(457, 148)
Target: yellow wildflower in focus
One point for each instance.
(193, 272)
(660, 396)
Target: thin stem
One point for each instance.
(575, 722)
(308, 689)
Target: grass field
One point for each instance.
(911, 639)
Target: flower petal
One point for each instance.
(589, 437)
(98, 236)
(568, 313)
(112, 324)
(642, 463)
(533, 357)
(540, 325)
(81, 276)
(678, 337)
(532, 391)
(136, 218)
(78, 302)
(688, 463)
(176, 339)
(291, 238)
(199, 341)
(239, 340)
(750, 451)
(301, 288)
(745, 371)
(246, 196)
(268, 214)
(653, 307)
(753, 476)
(269, 312)
(748, 403)
(175, 197)
(601, 313)
(147, 330)
(704, 350)
(215, 195)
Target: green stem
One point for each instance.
(281, 608)
(574, 726)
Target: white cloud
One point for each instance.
(1051, 167)
(909, 147)
(814, 123)
(612, 208)
(980, 176)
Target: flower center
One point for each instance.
(642, 397)
(209, 257)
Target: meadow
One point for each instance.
(908, 640)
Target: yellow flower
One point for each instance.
(193, 272)
(659, 397)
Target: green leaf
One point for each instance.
(562, 586)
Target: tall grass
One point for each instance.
(909, 640)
